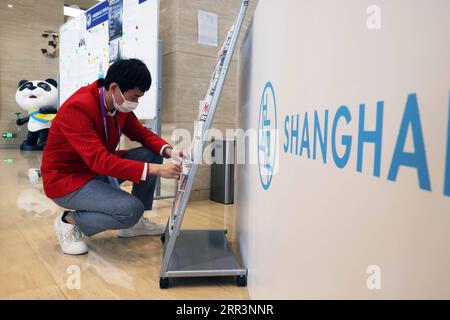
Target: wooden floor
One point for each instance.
(33, 267)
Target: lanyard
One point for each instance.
(112, 181)
(105, 121)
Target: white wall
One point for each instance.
(314, 232)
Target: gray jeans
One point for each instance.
(100, 207)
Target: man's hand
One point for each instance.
(170, 153)
(168, 170)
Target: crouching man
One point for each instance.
(82, 170)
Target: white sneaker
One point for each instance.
(34, 175)
(70, 237)
(144, 227)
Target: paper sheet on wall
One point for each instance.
(207, 28)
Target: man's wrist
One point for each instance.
(153, 169)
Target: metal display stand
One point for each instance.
(201, 253)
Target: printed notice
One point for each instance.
(207, 28)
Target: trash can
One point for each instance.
(222, 171)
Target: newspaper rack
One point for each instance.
(201, 253)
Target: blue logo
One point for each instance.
(267, 136)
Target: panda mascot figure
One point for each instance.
(39, 99)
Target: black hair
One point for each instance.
(129, 74)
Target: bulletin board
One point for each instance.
(109, 31)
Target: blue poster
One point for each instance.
(97, 15)
(115, 19)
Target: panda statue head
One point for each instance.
(37, 94)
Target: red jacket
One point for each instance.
(76, 146)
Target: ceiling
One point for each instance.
(83, 4)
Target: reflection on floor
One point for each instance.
(33, 267)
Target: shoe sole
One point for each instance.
(74, 254)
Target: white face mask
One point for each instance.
(126, 106)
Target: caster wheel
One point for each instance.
(241, 281)
(164, 283)
(163, 238)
